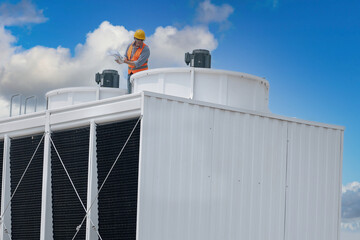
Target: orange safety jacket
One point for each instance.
(133, 69)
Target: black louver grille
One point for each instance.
(26, 203)
(1, 164)
(73, 148)
(118, 198)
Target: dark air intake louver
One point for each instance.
(73, 148)
(1, 164)
(26, 203)
(118, 198)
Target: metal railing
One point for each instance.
(20, 103)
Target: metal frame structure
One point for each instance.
(206, 171)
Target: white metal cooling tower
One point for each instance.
(192, 154)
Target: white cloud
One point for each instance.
(168, 44)
(19, 14)
(4, 104)
(208, 12)
(353, 187)
(350, 208)
(350, 203)
(6, 48)
(53, 68)
(40, 69)
(352, 224)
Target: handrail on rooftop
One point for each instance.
(35, 104)
(11, 103)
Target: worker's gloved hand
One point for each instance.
(119, 61)
(118, 57)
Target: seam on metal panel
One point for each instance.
(340, 185)
(211, 165)
(286, 176)
(142, 123)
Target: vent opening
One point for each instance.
(117, 203)
(26, 203)
(73, 148)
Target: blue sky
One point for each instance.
(307, 50)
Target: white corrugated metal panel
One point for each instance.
(175, 171)
(314, 182)
(248, 177)
(207, 173)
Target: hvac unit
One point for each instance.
(193, 153)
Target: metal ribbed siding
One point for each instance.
(248, 176)
(26, 203)
(1, 165)
(118, 198)
(208, 173)
(313, 183)
(73, 148)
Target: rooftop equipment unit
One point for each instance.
(108, 78)
(192, 153)
(200, 58)
(108, 87)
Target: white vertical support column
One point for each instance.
(5, 230)
(92, 203)
(46, 204)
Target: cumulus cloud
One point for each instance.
(352, 224)
(4, 104)
(350, 206)
(351, 187)
(351, 201)
(169, 44)
(209, 13)
(21, 13)
(40, 69)
(6, 48)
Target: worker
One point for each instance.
(136, 56)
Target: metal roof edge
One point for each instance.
(69, 115)
(70, 107)
(94, 103)
(21, 117)
(241, 110)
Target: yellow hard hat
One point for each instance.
(139, 34)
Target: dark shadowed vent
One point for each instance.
(118, 198)
(26, 203)
(1, 164)
(73, 148)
